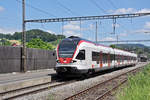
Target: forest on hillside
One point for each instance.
(40, 39)
(34, 33)
(136, 48)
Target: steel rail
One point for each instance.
(86, 90)
(109, 91)
(32, 91)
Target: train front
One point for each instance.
(66, 62)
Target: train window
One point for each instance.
(105, 57)
(120, 58)
(116, 57)
(125, 57)
(96, 56)
(81, 55)
(67, 49)
(112, 56)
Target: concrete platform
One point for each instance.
(13, 81)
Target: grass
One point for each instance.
(138, 87)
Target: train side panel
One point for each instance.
(88, 56)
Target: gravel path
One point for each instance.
(62, 92)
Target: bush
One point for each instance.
(138, 87)
(38, 43)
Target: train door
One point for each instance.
(88, 57)
(115, 59)
(108, 60)
(101, 59)
(82, 57)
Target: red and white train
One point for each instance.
(76, 56)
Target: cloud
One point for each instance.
(91, 26)
(8, 30)
(116, 25)
(72, 33)
(129, 10)
(123, 34)
(142, 31)
(108, 39)
(1, 8)
(50, 31)
(122, 11)
(147, 25)
(72, 26)
(145, 10)
(145, 30)
(72, 29)
(75, 23)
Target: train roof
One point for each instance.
(77, 39)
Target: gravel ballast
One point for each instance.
(62, 92)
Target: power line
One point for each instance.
(97, 5)
(112, 4)
(67, 9)
(37, 9)
(105, 11)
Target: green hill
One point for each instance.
(137, 48)
(34, 33)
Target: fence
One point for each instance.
(10, 59)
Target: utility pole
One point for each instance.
(80, 27)
(117, 39)
(96, 33)
(62, 28)
(114, 25)
(23, 57)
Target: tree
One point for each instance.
(5, 42)
(38, 43)
(113, 46)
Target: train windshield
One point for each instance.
(67, 48)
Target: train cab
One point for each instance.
(69, 56)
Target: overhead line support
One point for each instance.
(23, 55)
(88, 18)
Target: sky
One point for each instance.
(126, 29)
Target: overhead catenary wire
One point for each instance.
(37, 9)
(114, 25)
(67, 9)
(113, 5)
(97, 5)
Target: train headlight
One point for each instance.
(73, 61)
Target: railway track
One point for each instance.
(46, 86)
(103, 89)
(9, 95)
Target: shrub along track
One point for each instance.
(103, 90)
